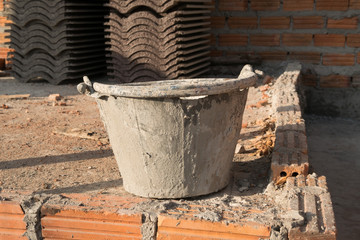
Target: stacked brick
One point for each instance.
(4, 45)
(290, 154)
(323, 35)
(58, 40)
(154, 40)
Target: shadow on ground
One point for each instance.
(334, 152)
(29, 162)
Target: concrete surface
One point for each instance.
(334, 152)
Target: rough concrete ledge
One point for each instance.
(290, 154)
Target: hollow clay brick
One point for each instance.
(305, 57)
(297, 39)
(295, 5)
(233, 40)
(170, 227)
(217, 22)
(329, 40)
(335, 81)
(265, 5)
(242, 22)
(265, 39)
(353, 40)
(344, 23)
(12, 225)
(354, 4)
(275, 22)
(332, 5)
(233, 5)
(335, 59)
(308, 22)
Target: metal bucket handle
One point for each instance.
(171, 88)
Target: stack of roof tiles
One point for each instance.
(57, 40)
(152, 40)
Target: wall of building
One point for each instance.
(324, 35)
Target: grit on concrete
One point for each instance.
(334, 152)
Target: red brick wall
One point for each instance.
(4, 47)
(324, 35)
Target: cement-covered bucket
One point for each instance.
(173, 138)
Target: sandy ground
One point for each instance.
(334, 152)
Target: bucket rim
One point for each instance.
(173, 88)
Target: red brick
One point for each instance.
(296, 5)
(345, 23)
(233, 5)
(354, 4)
(265, 39)
(213, 40)
(216, 53)
(233, 40)
(306, 57)
(356, 81)
(308, 22)
(283, 165)
(332, 5)
(353, 40)
(12, 225)
(245, 57)
(217, 22)
(75, 222)
(181, 229)
(273, 55)
(329, 40)
(358, 58)
(333, 59)
(335, 81)
(242, 22)
(264, 5)
(297, 39)
(309, 80)
(275, 22)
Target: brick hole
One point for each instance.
(294, 174)
(283, 174)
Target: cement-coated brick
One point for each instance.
(313, 201)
